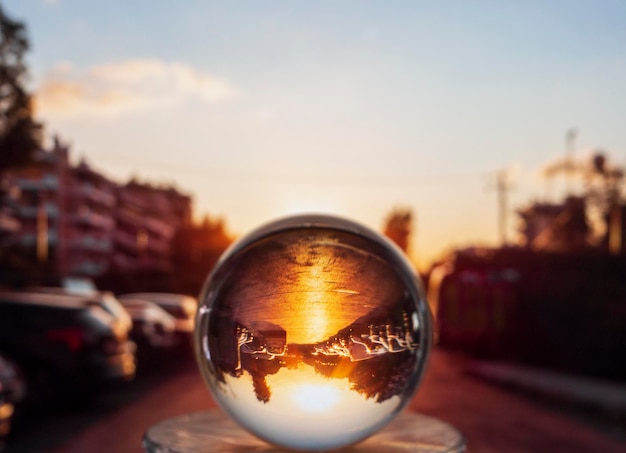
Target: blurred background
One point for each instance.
(139, 140)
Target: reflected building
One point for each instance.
(374, 356)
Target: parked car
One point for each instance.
(182, 308)
(63, 342)
(12, 381)
(12, 393)
(6, 416)
(153, 328)
(104, 299)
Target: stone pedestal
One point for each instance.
(213, 431)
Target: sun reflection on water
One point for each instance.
(312, 284)
(306, 403)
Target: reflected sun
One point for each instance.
(315, 397)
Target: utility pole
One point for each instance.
(503, 187)
(570, 142)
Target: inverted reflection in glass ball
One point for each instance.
(312, 332)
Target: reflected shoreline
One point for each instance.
(373, 353)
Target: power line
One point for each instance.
(233, 175)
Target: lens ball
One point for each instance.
(313, 332)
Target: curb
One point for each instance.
(606, 396)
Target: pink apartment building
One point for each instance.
(85, 224)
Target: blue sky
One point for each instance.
(261, 109)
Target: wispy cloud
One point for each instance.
(120, 87)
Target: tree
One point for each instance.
(195, 250)
(398, 227)
(20, 135)
(604, 201)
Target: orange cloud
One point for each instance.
(119, 87)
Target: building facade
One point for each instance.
(81, 223)
(9, 195)
(146, 219)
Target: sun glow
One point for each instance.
(313, 284)
(315, 397)
(305, 200)
(303, 404)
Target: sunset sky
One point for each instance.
(261, 109)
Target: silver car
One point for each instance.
(181, 307)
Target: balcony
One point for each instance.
(131, 218)
(92, 243)
(123, 262)
(90, 268)
(93, 219)
(30, 239)
(8, 224)
(126, 241)
(159, 228)
(31, 212)
(95, 194)
(130, 199)
(47, 182)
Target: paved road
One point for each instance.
(495, 420)
(492, 419)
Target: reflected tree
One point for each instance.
(383, 377)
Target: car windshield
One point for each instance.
(79, 285)
(111, 304)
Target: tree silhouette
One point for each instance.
(195, 250)
(20, 135)
(398, 227)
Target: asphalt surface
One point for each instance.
(491, 418)
(494, 419)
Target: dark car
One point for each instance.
(153, 328)
(63, 343)
(12, 381)
(181, 307)
(12, 393)
(104, 299)
(6, 415)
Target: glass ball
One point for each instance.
(313, 332)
